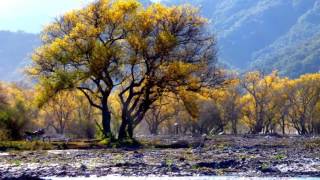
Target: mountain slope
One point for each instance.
(298, 51)
(15, 50)
(255, 33)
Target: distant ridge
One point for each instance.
(15, 51)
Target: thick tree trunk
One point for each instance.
(304, 130)
(130, 129)
(106, 119)
(234, 127)
(126, 129)
(258, 128)
(122, 131)
(122, 134)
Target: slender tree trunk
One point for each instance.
(283, 126)
(234, 123)
(153, 129)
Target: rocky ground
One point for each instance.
(222, 155)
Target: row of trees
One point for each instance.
(274, 101)
(252, 103)
(67, 113)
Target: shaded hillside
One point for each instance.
(265, 30)
(298, 51)
(15, 50)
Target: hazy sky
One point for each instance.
(32, 15)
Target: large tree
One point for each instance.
(148, 52)
(82, 50)
(169, 50)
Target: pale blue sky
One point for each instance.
(32, 15)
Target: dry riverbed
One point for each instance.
(221, 156)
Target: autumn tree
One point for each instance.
(83, 50)
(3, 100)
(229, 104)
(16, 110)
(60, 111)
(304, 96)
(199, 114)
(3, 106)
(258, 88)
(316, 121)
(162, 110)
(169, 51)
(281, 104)
(147, 51)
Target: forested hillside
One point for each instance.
(265, 34)
(298, 51)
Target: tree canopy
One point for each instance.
(120, 46)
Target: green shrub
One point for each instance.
(4, 134)
(280, 157)
(128, 143)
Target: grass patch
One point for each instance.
(264, 166)
(312, 144)
(24, 145)
(39, 145)
(126, 143)
(280, 157)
